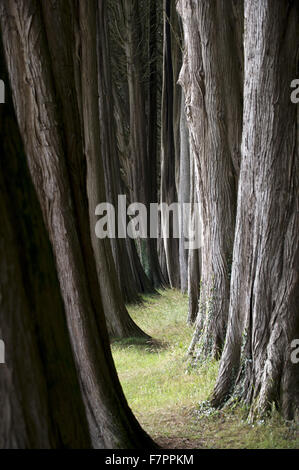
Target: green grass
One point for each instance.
(164, 393)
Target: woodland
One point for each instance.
(113, 343)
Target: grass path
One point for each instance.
(164, 393)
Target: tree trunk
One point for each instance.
(142, 167)
(59, 22)
(184, 196)
(131, 276)
(214, 114)
(59, 177)
(139, 277)
(118, 320)
(194, 256)
(153, 145)
(263, 317)
(40, 397)
(170, 144)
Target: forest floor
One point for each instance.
(167, 395)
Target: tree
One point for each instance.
(132, 35)
(211, 78)
(131, 276)
(160, 280)
(263, 316)
(170, 126)
(194, 256)
(41, 401)
(82, 119)
(184, 196)
(59, 177)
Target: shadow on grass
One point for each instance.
(148, 345)
(142, 298)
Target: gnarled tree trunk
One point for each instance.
(170, 143)
(194, 256)
(59, 177)
(211, 78)
(184, 197)
(141, 167)
(263, 317)
(82, 131)
(41, 402)
(131, 276)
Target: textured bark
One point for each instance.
(169, 142)
(153, 130)
(211, 78)
(184, 196)
(109, 152)
(263, 318)
(194, 256)
(176, 47)
(141, 282)
(60, 20)
(40, 396)
(59, 179)
(118, 320)
(142, 167)
(161, 253)
(153, 101)
(131, 276)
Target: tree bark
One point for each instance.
(169, 141)
(40, 396)
(214, 114)
(131, 276)
(142, 167)
(263, 316)
(153, 131)
(59, 179)
(119, 322)
(194, 256)
(184, 196)
(82, 121)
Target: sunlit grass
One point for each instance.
(164, 392)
